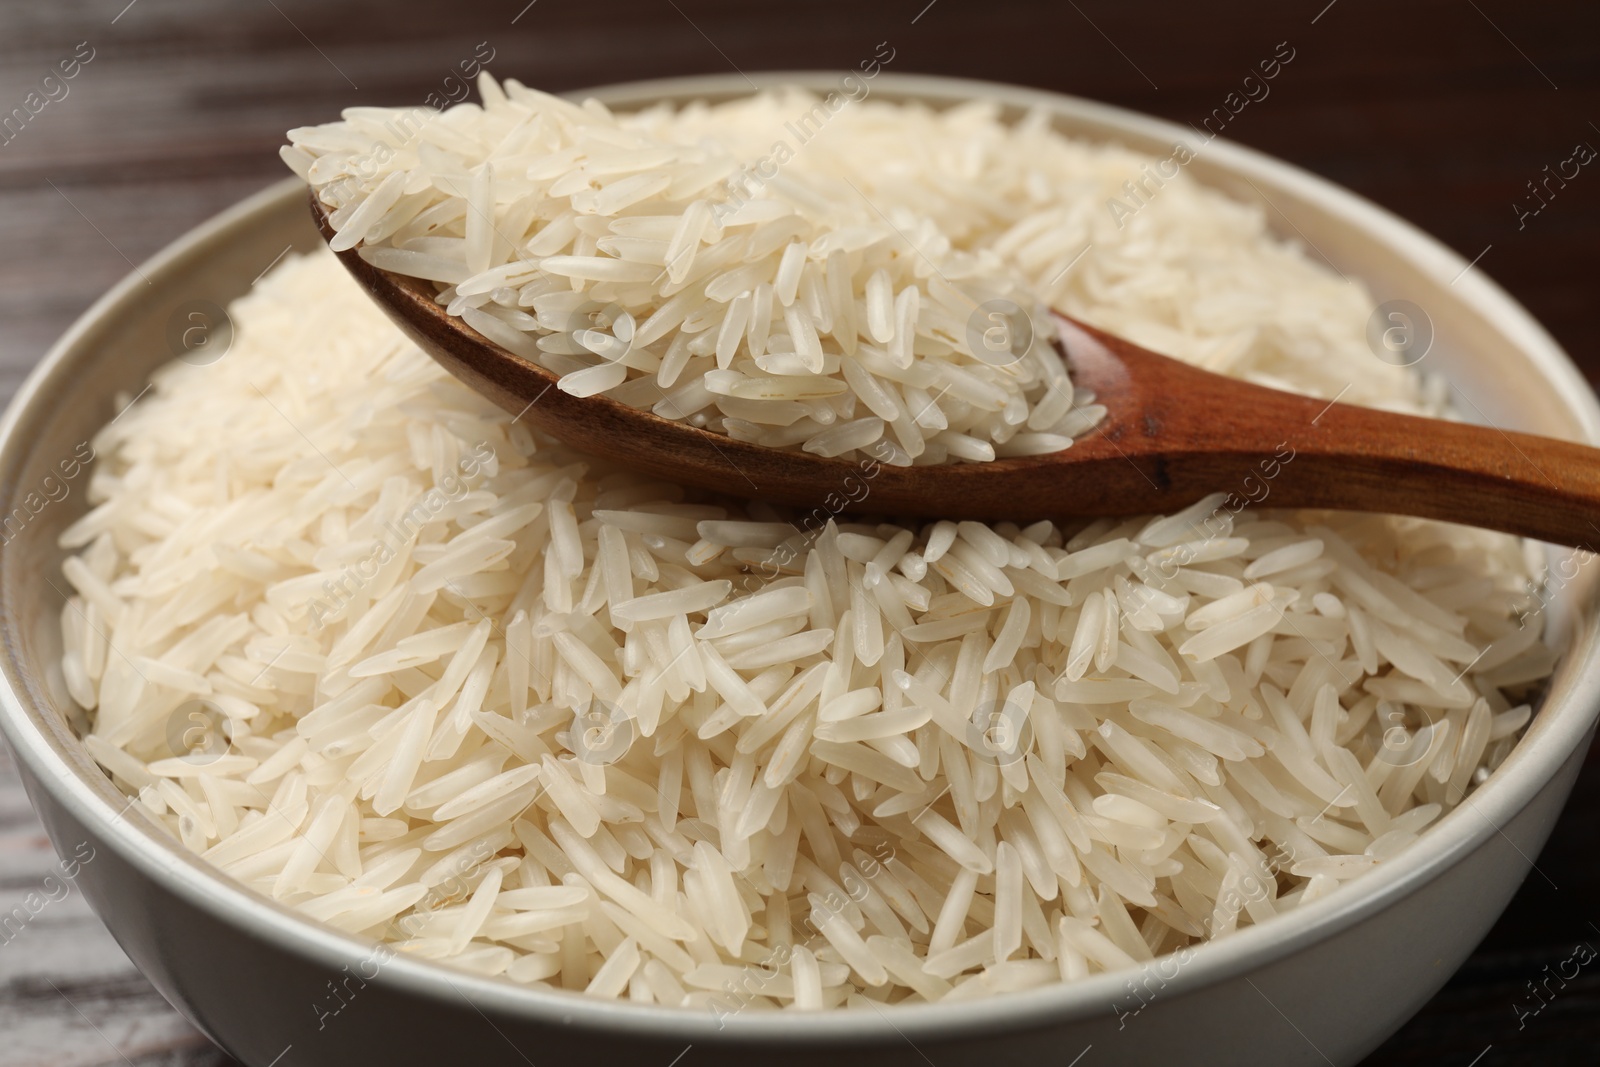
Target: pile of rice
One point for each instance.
(837, 296)
(373, 648)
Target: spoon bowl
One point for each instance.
(1173, 435)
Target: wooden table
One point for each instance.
(1441, 110)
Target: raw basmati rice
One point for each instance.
(816, 308)
(371, 647)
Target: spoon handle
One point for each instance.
(1362, 459)
(1189, 432)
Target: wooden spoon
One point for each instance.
(1172, 435)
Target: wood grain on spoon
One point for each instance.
(1173, 434)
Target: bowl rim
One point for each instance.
(1548, 744)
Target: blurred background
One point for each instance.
(1474, 119)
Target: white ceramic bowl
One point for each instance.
(1323, 984)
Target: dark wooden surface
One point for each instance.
(1441, 110)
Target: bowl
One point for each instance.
(1325, 983)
